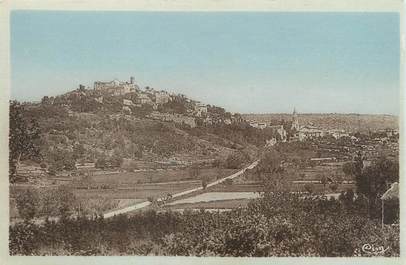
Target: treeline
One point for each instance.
(240, 134)
(59, 202)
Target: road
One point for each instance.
(177, 195)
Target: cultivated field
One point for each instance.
(159, 176)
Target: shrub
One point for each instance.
(101, 163)
(236, 160)
(309, 188)
(228, 182)
(333, 187)
(27, 204)
(194, 172)
(205, 181)
(275, 225)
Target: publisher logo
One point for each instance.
(374, 250)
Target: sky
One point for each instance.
(246, 62)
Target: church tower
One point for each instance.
(295, 120)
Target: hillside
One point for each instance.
(348, 122)
(132, 130)
(129, 128)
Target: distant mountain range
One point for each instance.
(350, 122)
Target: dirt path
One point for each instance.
(177, 195)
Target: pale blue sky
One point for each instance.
(246, 62)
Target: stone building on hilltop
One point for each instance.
(162, 97)
(116, 87)
(200, 109)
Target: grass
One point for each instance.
(156, 176)
(236, 188)
(142, 191)
(317, 187)
(144, 184)
(225, 204)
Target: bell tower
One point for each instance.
(295, 120)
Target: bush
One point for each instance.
(57, 202)
(275, 225)
(228, 182)
(101, 163)
(205, 181)
(27, 204)
(194, 172)
(309, 188)
(333, 187)
(236, 160)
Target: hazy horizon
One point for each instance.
(246, 62)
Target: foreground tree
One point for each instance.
(23, 138)
(27, 204)
(375, 180)
(372, 181)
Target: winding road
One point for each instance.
(177, 195)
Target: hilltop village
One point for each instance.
(159, 104)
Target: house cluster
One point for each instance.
(312, 132)
(176, 118)
(306, 132)
(279, 130)
(200, 109)
(258, 125)
(385, 135)
(132, 97)
(210, 120)
(300, 133)
(148, 96)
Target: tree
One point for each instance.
(194, 171)
(228, 182)
(323, 181)
(24, 136)
(205, 181)
(309, 188)
(27, 204)
(117, 159)
(333, 187)
(61, 159)
(78, 151)
(69, 162)
(101, 162)
(374, 180)
(347, 199)
(349, 169)
(134, 151)
(236, 160)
